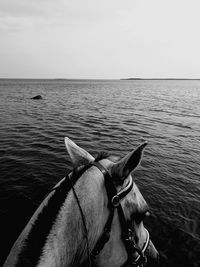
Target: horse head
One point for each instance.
(118, 236)
(92, 217)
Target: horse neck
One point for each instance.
(66, 244)
(55, 234)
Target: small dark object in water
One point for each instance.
(37, 97)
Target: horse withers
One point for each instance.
(92, 217)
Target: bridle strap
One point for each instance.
(111, 191)
(114, 199)
(141, 259)
(104, 237)
(110, 188)
(83, 221)
(128, 237)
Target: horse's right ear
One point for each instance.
(125, 166)
(78, 155)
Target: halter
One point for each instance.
(114, 199)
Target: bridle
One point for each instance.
(114, 199)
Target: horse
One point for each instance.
(92, 217)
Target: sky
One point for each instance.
(104, 39)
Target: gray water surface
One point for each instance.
(114, 116)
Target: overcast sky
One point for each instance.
(99, 39)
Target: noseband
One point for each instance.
(128, 237)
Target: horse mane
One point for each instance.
(79, 170)
(106, 155)
(101, 155)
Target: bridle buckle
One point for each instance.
(141, 262)
(129, 237)
(115, 201)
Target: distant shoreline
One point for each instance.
(85, 79)
(178, 79)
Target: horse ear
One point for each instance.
(125, 166)
(78, 155)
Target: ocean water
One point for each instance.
(114, 116)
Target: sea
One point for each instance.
(105, 115)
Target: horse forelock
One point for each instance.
(106, 155)
(102, 155)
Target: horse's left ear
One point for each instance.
(78, 155)
(125, 166)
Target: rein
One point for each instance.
(114, 199)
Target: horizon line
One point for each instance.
(130, 78)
